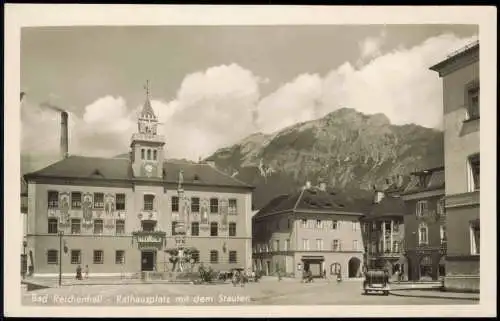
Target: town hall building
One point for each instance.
(124, 215)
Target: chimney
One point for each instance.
(322, 187)
(64, 134)
(379, 195)
(400, 181)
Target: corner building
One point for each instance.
(120, 215)
(460, 75)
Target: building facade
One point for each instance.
(425, 230)
(460, 75)
(383, 233)
(124, 215)
(315, 229)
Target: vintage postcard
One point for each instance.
(249, 161)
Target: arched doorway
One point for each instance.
(425, 268)
(353, 267)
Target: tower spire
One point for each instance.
(147, 88)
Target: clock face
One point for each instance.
(148, 168)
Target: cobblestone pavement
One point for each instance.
(290, 292)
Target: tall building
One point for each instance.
(126, 215)
(314, 229)
(460, 75)
(383, 229)
(424, 221)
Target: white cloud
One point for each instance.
(221, 105)
(371, 47)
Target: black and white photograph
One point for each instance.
(251, 165)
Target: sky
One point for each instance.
(213, 86)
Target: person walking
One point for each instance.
(86, 271)
(78, 272)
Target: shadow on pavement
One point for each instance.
(394, 293)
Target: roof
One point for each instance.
(388, 206)
(315, 200)
(462, 52)
(121, 169)
(398, 186)
(435, 181)
(147, 110)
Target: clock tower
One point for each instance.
(147, 145)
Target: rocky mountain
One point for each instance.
(345, 149)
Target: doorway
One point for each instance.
(148, 260)
(353, 267)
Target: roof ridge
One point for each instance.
(221, 172)
(298, 200)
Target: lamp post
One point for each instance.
(61, 233)
(25, 259)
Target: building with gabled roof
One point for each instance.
(130, 214)
(314, 229)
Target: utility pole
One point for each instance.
(60, 257)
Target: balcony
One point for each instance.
(148, 137)
(148, 215)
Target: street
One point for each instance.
(269, 292)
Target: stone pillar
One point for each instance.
(392, 231)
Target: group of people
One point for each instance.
(79, 272)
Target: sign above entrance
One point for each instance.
(149, 239)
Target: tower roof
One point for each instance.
(147, 109)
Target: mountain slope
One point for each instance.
(345, 149)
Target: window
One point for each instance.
(387, 226)
(149, 154)
(355, 245)
(473, 101)
(98, 200)
(148, 226)
(442, 234)
(233, 257)
(214, 229)
(441, 207)
(319, 224)
(53, 199)
(276, 245)
(52, 256)
(142, 153)
(75, 226)
(287, 245)
(305, 244)
(148, 202)
(120, 202)
(98, 257)
(395, 247)
(174, 227)
(98, 226)
(422, 234)
(421, 209)
(195, 229)
(319, 244)
(155, 155)
(214, 256)
(336, 245)
(232, 229)
(76, 200)
(76, 257)
(214, 205)
(233, 205)
(52, 225)
(474, 234)
(195, 256)
(195, 204)
(120, 227)
(395, 226)
(175, 204)
(304, 223)
(120, 257)
(474, 173)
(354, 226)
(334, 225)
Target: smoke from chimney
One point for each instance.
(50, 106)
(64, 134)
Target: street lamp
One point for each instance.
(61, 233)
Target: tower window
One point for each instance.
(142, 153)
(149, 154)
(155, 155)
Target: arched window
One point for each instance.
(149, 154)
(155, 154)
(423, 233)
(142, 153)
